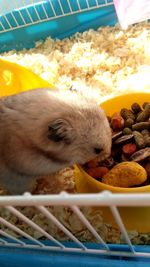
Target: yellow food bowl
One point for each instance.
(16, 79)
(134, 218)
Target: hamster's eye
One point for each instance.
(97, 150)
(54, 135)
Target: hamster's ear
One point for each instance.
(60, 130)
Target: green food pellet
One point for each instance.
(145, 133)
(138, 114)
(136, 108)
(144, 105)
(139, 139)
(144, 115)
(129, 122)
(147, 141)
(141, 126)
(127, 130)
(126, 114)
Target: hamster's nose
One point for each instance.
(98, 150)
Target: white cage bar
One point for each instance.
(73, 201)
(100, 199)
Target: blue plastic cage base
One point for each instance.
(60, 28)
(22, 257)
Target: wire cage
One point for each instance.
(53, 252)
(22, 23)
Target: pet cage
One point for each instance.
(49, 251)
(35, 20)
(22, 23)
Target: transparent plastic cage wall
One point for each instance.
(52, 252)
(22, 23)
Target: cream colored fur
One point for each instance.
(29, 123)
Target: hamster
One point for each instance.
(43, 131)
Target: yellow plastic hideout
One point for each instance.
(15, 79)
(134, 218)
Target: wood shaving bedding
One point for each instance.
(105, 62)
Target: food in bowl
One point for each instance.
(129, 163)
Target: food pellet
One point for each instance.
(129, 122)
(130, 144)
(117, 122)
(136, 108)
(98, 172)
(145, 114)
(139, 139)
(126, 114)
(129, 149)
(127, 130)
(144, 105)
(141, 126)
